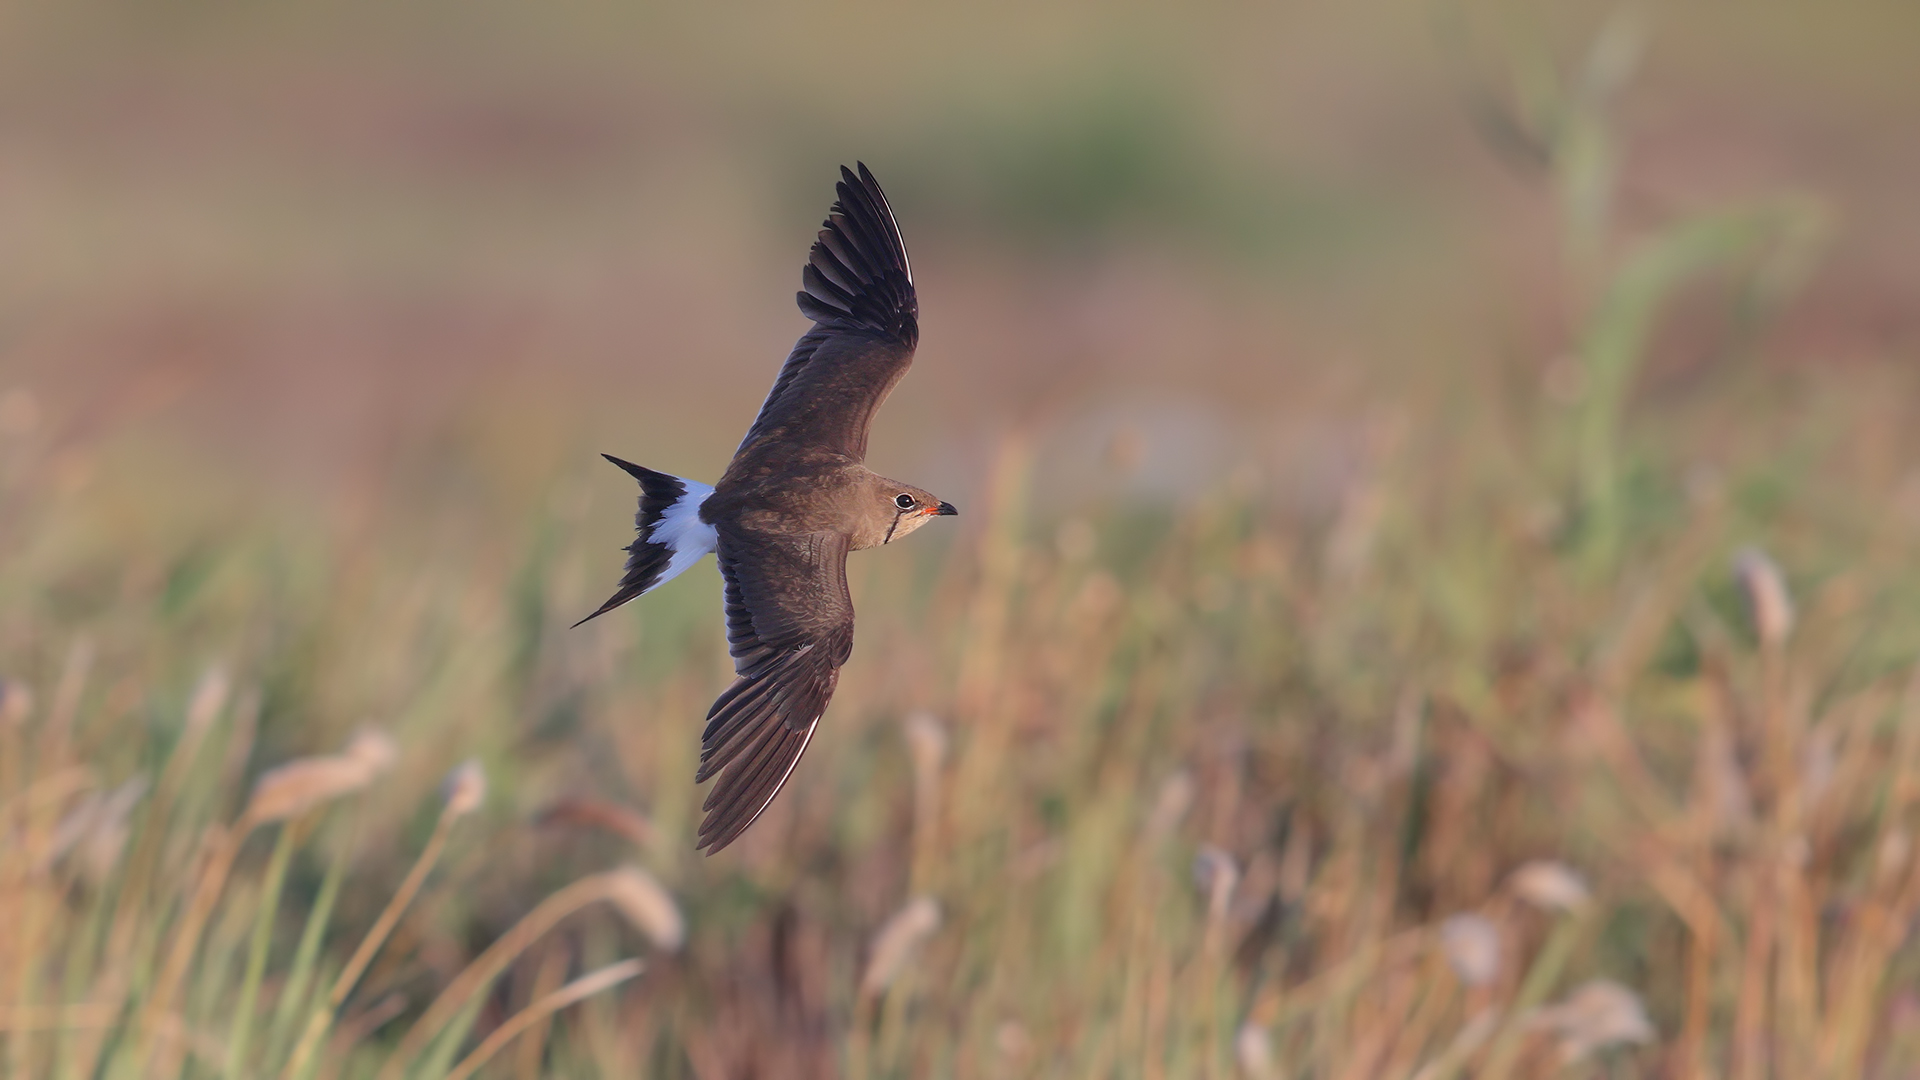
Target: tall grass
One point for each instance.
(1549, 752)
(1205, 814)
(129, 934)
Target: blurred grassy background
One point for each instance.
(1340, 668)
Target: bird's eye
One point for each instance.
(903, 500)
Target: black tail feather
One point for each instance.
(645, 560)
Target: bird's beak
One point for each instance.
(946, 510)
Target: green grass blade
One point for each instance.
(300, 975)
(259, 946)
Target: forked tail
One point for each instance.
(671, 535)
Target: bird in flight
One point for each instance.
(795, 499)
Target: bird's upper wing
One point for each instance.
(859, 294)
(789, 627)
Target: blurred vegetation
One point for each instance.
(1531, 723)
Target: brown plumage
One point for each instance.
(795, 500)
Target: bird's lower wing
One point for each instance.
(755, 736)
(790, 627)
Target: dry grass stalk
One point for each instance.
(458, 801)
(32, 906)
(145, 866)
(979, 678)
(281, 793)
(1465, 1043)
(603, 814)
(463, 791)
(927, 748)
(578, 990)
(56, 1017)
(178, 1041)
(73, 682)
(481, 972)
(530, 1055)
(355, 1028)
(1217, 876)
(204, 707)
(1548, 965)
(219, 848)
(44, 795)
(1857, 972)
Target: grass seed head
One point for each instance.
(1472, 947)
(1891, 856)
(209, 697)
(302, 784)
(897, 941)
(464, 789)
(95, 813)
(1170, 806)
(1012, 1040)
(1550, 886)
(648, 906)
(99, 829)
(372, 748)
(1596, 1015)
(926, 741)
(1216, 874)
(1769, 604)
(1214, 869)
(1253, 1049)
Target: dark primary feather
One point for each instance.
(859, 294)
(645, 559)
(789, 628)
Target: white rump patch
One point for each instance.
(681, 531)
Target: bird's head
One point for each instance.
(908, 508)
